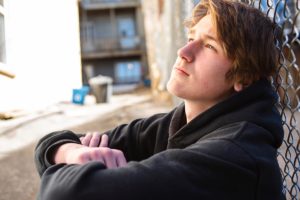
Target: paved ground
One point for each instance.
(18, 178)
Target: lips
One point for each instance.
(182, 71)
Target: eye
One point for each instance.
(210, 47)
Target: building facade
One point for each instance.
(113, 41)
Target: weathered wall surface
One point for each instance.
(165, 34)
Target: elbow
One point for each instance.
(53, 191)
(56, 187)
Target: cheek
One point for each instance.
(218, 68)
(212, 75)
(226, 64)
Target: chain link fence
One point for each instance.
(286, 14)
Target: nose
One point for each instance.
(186, 52)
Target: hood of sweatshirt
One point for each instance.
(255, 104)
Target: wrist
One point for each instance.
(61, 152)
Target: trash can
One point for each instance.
(101, 87)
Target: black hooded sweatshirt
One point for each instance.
(227, 152)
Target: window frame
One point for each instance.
(2, 12)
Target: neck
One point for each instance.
(193, 109)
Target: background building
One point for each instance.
(113, 41)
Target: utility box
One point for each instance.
(101, 87)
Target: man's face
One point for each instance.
(198, 74)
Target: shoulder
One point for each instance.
(237, 132)
(241, 142)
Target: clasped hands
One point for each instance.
(93, 147)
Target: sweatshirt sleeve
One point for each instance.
(48, 144)
(137, 140)
(188, 173)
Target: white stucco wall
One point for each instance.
(43, 50)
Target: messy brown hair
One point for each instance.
(247, 37)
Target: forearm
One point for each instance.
(124, 138)
(93, 147)
(172, 174)
(46, 147)
(130, 182)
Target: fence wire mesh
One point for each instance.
(286, 14)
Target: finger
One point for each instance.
(110, 163)
(86, 140)
(104, 141)
(84, 158)
(120, 159)
(95, 140)
(109, 158)
(81, 139)
(96, 156)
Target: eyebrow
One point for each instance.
(207, 36)
(191, 31)
(211, 38)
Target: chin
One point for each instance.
(170, 87)
(174, 89)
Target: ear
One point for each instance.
(238, 86)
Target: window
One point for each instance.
(126, 32)
(2, 33)
(128, 72)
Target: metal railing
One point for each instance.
(286, 14)
(108, 1)
(105, 44)
(89, 2)
(93, 42)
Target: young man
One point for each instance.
(221, 143)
